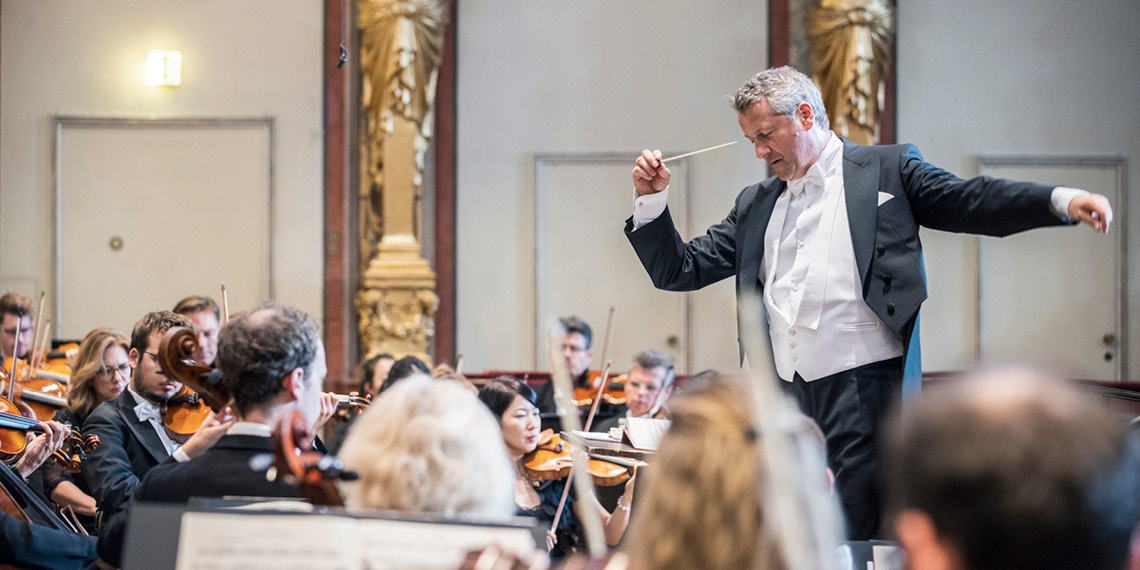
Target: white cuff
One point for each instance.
(180, 456)
(1060, 198)
(649, 207)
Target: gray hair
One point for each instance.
(653, 358)
(784, 88)
(256, 350)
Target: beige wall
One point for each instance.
(240, 59)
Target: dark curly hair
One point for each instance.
(256, 350)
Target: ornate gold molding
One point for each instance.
(401, 47)
(850, 54)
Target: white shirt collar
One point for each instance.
(826, 165)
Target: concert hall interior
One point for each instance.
(442, 185)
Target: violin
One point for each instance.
(14, 430)
(551, 460)
(612, 393)
(38, 393)
(315, 474)
(349, 405)
(184, 413)
(202, 390)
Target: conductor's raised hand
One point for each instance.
(650, 176)
(1092, 209)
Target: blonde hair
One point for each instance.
(81, 397)
(701, 507)
(429, 446)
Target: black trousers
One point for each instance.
(850, 407)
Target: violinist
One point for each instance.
(132, 438)
(205, 314)
(650, 383)
(101, 373)
(273, 363)
(32, 543)
(373, 372)
(405, 367)
(578, 351)
(513, 403)
(15, 319)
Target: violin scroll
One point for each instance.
(176, 357)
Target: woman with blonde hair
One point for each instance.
(101, 373)
(702, 506)
(429, 446)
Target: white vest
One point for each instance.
(819, 323)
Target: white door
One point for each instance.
(1053, 296)
(584, 263)
(150, 212)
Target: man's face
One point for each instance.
(310, 398)
(148, 380)
(576, 353)
(784, 144)
(10, 326)
(642, 389)
(207, 325)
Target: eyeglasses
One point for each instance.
(123, 369)
(573, 348)
(157, 366)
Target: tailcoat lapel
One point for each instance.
(861, 189)
(141, 430)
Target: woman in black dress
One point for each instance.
(513, 404)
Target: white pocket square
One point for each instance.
(884, 197)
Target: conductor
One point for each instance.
(831, 244)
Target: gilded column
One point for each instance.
(401, 46)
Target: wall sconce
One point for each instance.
(164, 67)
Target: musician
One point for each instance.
(132, 438)
(513, 403)
(703, 494)
(1012, 470)
(101, 373)
(15, 319)
(578, 352)
(204, 313)
(273, 362)
(374, 372)
(429, 446)
(405, 367)
(649, 384)
(831, 243)
(37, 543)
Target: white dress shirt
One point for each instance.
(149, 412)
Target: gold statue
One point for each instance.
(401, 47)
(850, 54)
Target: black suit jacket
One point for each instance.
(223, 470)
(127, 449)
(885, 236)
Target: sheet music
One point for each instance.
(403, 545)
(213, 541)
(594, 435)
(645, 433)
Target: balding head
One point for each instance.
(1010, 469)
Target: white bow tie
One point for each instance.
(147, 412)
(813, 178)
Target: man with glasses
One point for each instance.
(15, 319)
(132, 438)
(650, 383)
(578, 352)
(204, 313)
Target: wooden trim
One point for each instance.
(336, 238)
(778, 33)
(444, 254)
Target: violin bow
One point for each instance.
(605, 371)
(41, 348)
(598, 396)
(790, 480)
(12, 372)
(225, 305)
(35, 331)
(568, 412)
